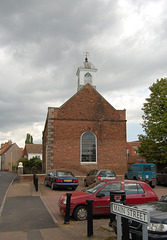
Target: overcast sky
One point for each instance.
(42, 43)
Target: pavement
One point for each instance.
(28, 214)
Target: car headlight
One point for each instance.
(64, 201)
(157, 227)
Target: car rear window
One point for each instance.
(147, 168)
(94, 172)
(133, 188)
(65, 174)
(107, 174)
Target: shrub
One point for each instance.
(32, 165)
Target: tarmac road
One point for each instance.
(5, 181)
(13, 208)
(20, 214)
(25, 216)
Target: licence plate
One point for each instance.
(67, 180)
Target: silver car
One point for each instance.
(98, 175)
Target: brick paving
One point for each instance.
(101, 229)
(101, 225)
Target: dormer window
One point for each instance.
(88, 78)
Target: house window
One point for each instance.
(88, 147)
(88, 78)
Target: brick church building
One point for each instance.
(86, 132)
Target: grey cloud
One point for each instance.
(44, 43)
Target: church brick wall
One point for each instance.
(87, 110)
(111, 145)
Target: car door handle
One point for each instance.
(143, 195)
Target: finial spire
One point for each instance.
(86, 56)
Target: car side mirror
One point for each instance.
(100, 194)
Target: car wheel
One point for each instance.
(80, 213)
(45, 183)
(52, 186)
(85, 183)
(126, 177)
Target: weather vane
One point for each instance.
(86, 56)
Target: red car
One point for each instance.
(136, 193)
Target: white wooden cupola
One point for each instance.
(86, 74)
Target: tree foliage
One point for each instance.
(29, 139)
(154, 143)
(32, 165)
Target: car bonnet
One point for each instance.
(158, 211)
(79, 194)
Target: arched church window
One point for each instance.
(88, 147)
(88, 78)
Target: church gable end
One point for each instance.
(89, 104)
(86, 132)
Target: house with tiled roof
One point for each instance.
(10, 154)
(32, 150)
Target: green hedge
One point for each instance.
(34, 165)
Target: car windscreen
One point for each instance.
(64, 174)
(93, 188)
(107, 174)
(163, 199)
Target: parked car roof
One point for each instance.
(97, 175)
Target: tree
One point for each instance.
(29, 139)
(35, 161)
(153, 145)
